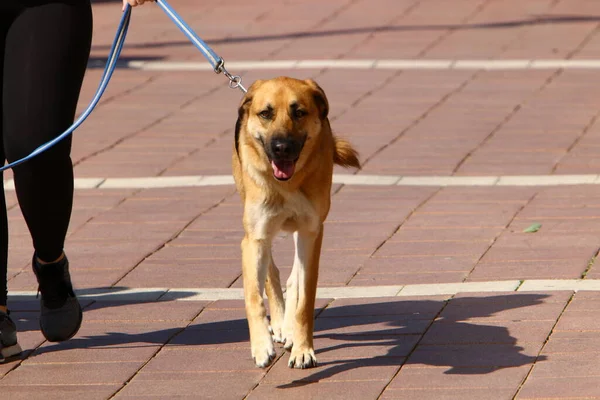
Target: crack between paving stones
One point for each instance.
(413, 211)
(410, 353)
(589, 125)
(174, 236)
(376, 30)
(146, 127)
(109, 147)
(451, 30)
(593, 120)
(543, 346)
(435, 106)
(420, 118)
(173, 336)
(319, 23)
(556, 74)
(590, 264)
(500, 234)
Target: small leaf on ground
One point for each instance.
(533, 228)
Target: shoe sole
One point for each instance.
(7, 353)
(72, 334)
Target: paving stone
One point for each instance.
(330, 390)
(449, 394)
(50, 392)
(212, 385)
(415, 377)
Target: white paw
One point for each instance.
(264, 353)
(302, 359)
(276, 335)
(289, 341)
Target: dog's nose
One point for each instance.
(281, 148)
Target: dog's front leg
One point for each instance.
(276, 304)
(308, 250)
(256, 257)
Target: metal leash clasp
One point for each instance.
(235, 81)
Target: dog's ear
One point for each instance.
(242, 111)
(319, 98)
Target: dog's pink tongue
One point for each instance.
(283, 169)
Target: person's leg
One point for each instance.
(7, 14)
(46, 53)
(9, 347)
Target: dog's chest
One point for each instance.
(294, 213)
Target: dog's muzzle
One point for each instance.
(283, 153)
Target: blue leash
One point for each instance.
(217, 63)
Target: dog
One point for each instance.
(282, 159)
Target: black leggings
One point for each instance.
(44, 49)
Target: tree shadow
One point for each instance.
(532, 21)
(410, 331)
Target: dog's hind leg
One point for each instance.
(308, 250)
(256, 258)
(276, 305)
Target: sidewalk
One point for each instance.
(471, 127)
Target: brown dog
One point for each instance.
(283, 161)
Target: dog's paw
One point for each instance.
(302, 359)
(264, 354)
(277, 334)
(288, 342)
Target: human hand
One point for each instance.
(134, 3)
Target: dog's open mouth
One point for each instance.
(283, 169)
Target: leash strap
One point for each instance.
(218, 64)
(113, 56)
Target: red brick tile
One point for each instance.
(183, 359)
(59, 392)
(211, 385)
(449, 394)
(557, 387)
(321, 390)
(413, 377)
(73, 373)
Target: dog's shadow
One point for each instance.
(426, 332)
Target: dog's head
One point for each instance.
(281, 120)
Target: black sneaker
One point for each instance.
(61, 314)
(8, 338)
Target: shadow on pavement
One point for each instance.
(397, 326)
(536, 20)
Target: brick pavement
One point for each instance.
(534, 344)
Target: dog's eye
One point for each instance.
(265, 114)
(299, 113)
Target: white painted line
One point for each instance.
(448, 181)
(346, 179)
(566, 284)
(365, 64)
(111, 294)
(217, 180)
(353, 292)
(88, 183)
(413, 64)
(547, 180)
(208, 294)
(462, 287)
(492, 65)
(150, 182)
(342, 292)
(371, 180)
(352, 64)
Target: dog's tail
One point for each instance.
(345, 155)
